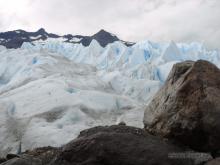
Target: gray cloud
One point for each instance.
(132, 20)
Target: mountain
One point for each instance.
(55, 88)
(14, 39)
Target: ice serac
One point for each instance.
(187, 107)
(46, 93)
(172, 53)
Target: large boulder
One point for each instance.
(187, 107)
(214, 162)
(38, 156)
(24, 160)
(118, 145)
(2, 160)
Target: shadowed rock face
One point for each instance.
(214, 162)
(39, 156)
(110, 145)
(118, 145)
(187, 107)
(102, 37)
(15, 39)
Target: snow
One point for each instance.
(35, 37)
(75, 39)
(2, 48)
(51, 90)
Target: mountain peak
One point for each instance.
(41, 30)
(104, 37)
(103, 32)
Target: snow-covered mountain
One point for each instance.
(15, 39)
(51, 89)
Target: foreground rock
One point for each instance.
(24, 160)
(114, 145)
(214, 162)
(187, 108)
(118, 145)
(39, 156)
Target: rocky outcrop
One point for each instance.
(214, 162)
(3, 160)
(187, 107)
(39, 156)
(118, 145)
(24, 160)
(110, 145)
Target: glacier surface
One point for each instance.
(51, 90)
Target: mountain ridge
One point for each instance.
(14, 39)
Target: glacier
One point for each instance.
(51, 90)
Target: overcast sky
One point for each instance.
(132, 20)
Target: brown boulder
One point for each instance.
(109, 145)
(119, 145)
(214, 162)
(187, 107)
(38, 156)
(24, 160)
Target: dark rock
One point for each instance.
(109, 145)
(24, 160)
(104, 38)
(39, 156)
(118, 145)
(11, 156)
(122, 123)
(45, 154)
(214, 162)
(3, 160)
(187, 107)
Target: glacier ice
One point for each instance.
(51, 90)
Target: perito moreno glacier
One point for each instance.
(51, 88)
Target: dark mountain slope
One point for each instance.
(14, 39)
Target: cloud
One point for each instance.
(132, 20)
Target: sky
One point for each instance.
(130, 20)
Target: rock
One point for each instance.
(114, 145)
(39, 156)
(108, 145)
(214, 162)
(23, 160)
(3, 160)
(187, 107)
(122, 123)
(45, 154)
(11, 156)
